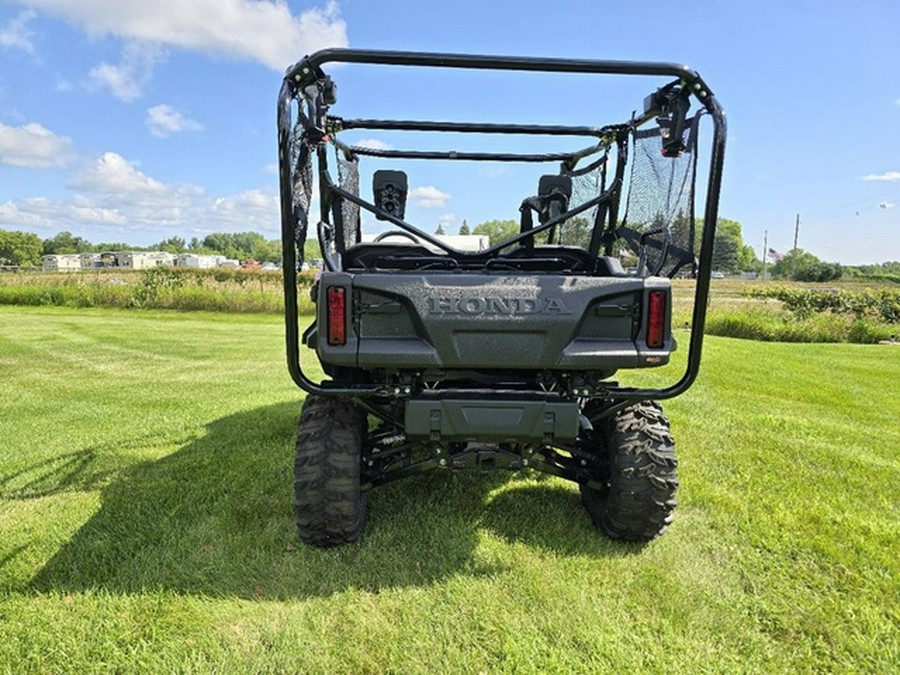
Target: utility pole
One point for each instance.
(765, 253)
(794, 257)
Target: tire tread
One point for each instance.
(329, 507)
(640, 500)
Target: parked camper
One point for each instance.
(197, 261)
(142, 260)
(56, 262)
(108, 259)
(88, 260)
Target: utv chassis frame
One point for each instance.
(464, 434)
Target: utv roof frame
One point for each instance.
(309, 71)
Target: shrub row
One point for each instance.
(158, 288)
(768, 326)
(881, 303)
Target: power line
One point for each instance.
(859, 206)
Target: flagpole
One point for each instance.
(765, 253)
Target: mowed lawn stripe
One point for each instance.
(145, 506)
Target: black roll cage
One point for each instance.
(306, 82)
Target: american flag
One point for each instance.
(775, 255)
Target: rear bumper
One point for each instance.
(491, 420)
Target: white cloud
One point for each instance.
(163, 120)
(113, 174)
(373, 144)
(447, 219)
(128, 79)
(260, 30)
(146, 202)
(33, 146)
(12, 215)
(43, 214)
(113, 199)
(15, 34)
(886, 176)
(250, 210)
(428, 197)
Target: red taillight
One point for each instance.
(337, 316)
(656, 319)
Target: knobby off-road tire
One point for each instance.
(638, 500)
(329, 506)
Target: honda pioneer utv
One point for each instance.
(441, 355)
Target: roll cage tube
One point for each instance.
(308, 73)
(408, 227)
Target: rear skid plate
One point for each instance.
(485, 420)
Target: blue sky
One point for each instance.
(136, 121)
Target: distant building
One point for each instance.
(197, 261)
(58, 262)
(466, 242)
(143, 260)
(88, 260)
(108, 259)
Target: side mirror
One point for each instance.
(390, 188)
(673, 104)
(554, 192)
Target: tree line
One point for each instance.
(730, 254)
(25, 249)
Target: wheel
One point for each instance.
(638, 497)
(329, 506)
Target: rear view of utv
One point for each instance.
(509, 354)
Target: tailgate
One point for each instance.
(458, 321)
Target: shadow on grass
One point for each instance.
(550, 516)
(80, 471)
(215, 518)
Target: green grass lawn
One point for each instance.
(145, 511)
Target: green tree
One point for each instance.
(681, 233)
(730, 253)
(822, 271)
(747, 260)
(440, 230)
(497, 231)
(311, 250)
(21, 249)
(66, 242)
(464, 228)
(575, 232)
(218, 241)
(804, 266)
(103, 247)
(887, 270)
(242, 245)
(726, 251)
(730, 227)
(248, 242)
(266, 251)
(172, 245)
